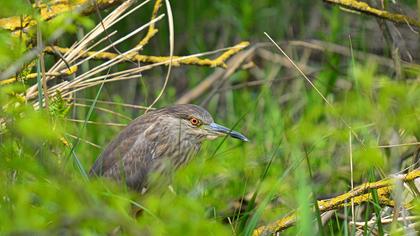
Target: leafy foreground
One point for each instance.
(292, 159)
(302, 149)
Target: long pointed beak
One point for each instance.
(221, 130)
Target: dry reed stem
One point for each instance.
(97, 123)
(359, 195)
(365, 8)
(72, 54)
(103, 110)
(109, 103)
(83, 140)
(171, 50)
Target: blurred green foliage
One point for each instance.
(11, 49)
(15, 8)
(292, 131)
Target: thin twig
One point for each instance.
(104, 110)
(110, 103)
(84, 140)
(97, 123)
(351, 176)
(314, 87)
(399, 145)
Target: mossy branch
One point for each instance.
(53, 8)
(217, 62)
(152, 29)
(365, 8)
(68, 72)
(359, 195)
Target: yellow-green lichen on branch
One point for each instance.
(357, 196)
(365, 8)
(50, 10)
(177, 60)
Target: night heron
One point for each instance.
(157, 143)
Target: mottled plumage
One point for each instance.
(157, 143)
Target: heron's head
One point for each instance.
(196, 122)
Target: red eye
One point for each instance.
(194, 121)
